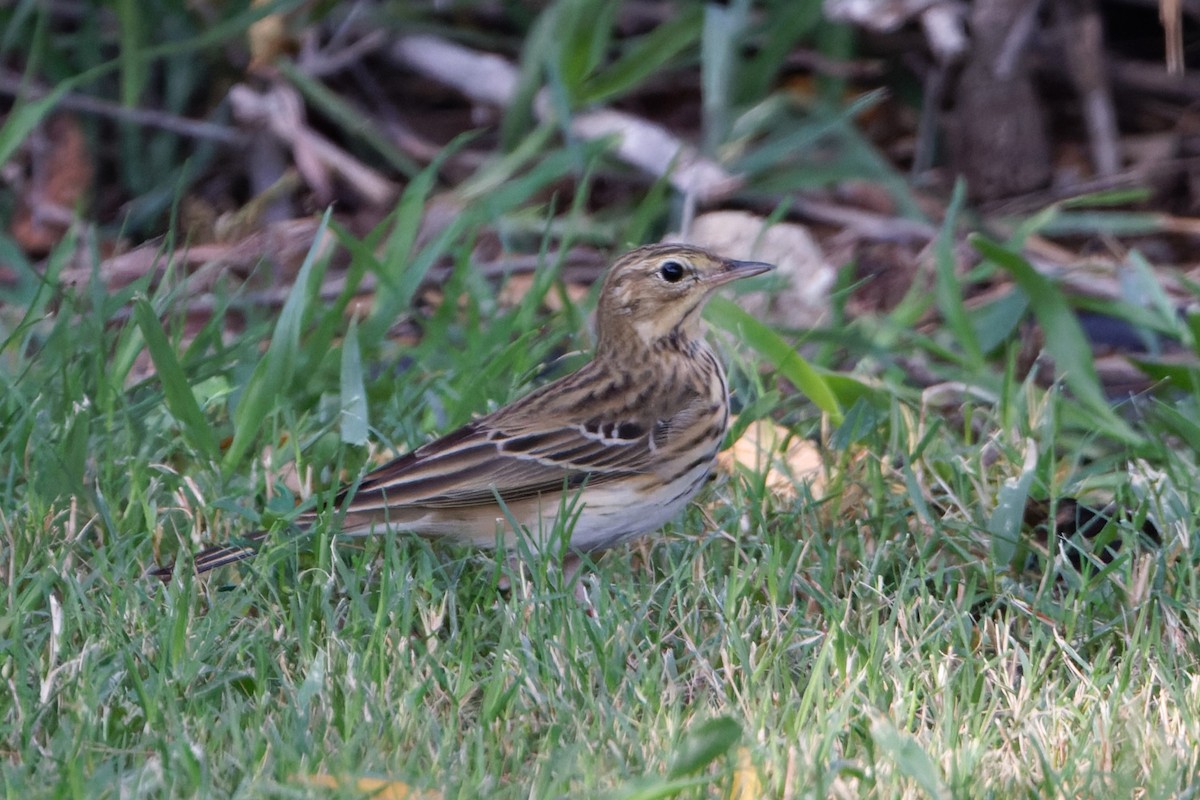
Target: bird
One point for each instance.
(617, 448)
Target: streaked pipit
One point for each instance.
(630, 437)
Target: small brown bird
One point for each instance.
(619, 447)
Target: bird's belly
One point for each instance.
(615, 514)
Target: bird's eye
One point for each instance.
(672, 271)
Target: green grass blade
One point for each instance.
(645, 58)
(399, 275)
(731, 317)
(909, 756)
(703, 744)
(353, 390)
(21, 121)
(1065, 339)
(1183, 425)
(585, 29)
(949, 291)
(274, 373)
(130, 19)
(181, 402)
(26, 116)
(1004, 524)
(723, 27)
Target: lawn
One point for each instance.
(982, 582)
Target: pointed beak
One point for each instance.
(735, 270)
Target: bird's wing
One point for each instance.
(487, 457)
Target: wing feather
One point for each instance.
(518, 452)
(474, 464)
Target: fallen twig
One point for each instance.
(14, 85)
(489, 79)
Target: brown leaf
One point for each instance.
(786, 459)
(268, 39)
(375, 788)
(747, 785)
(518, 285)
(60, 177)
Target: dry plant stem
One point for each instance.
(488, 79)
(13, 85)
(319, 65)
(1016, 41)
(1149, 78)
(1171, 14)
(285, 242)
(280, 111)
(864, 224)
(205, 263)
(1083, 38)
(944, 30)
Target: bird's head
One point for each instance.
(653, 295)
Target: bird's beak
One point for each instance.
(735, 270)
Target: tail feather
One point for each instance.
(215, 557)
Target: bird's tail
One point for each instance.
(217, 556)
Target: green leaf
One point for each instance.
(703, 744)
(1184, 425)
(354, 392)
(275, 372)
(1181, 376)
(134, 72)
(656, 788)
(909, 757)
(519, 116)
(1008, 516)
(728, 315)
(722, 38)
(861, 420)
(21, 121)
(181, 402)
(1113, 223)
(776, 34)
(494, 175)
(1065, 339)
(949, 292)
(584, 33)
(1143, 288)
(401, 273)
(1108, 197)
(646, 57)
(994, 323)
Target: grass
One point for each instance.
(861, 645)
(905, 632)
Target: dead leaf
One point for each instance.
(517, 286)
(374, 788)
(268, 39)
(786, 458)
(747, 785)
(280, 110)
(60, 177)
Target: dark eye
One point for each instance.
(672, 271)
